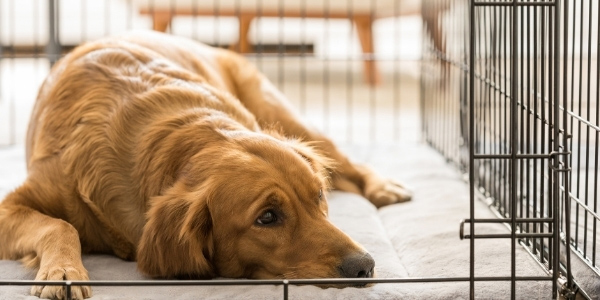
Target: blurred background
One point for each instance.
(351, 67)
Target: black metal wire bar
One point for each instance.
(439, 93)
(546, 112)
(195, 21)
(425, 80)
(445, 98)
(460, 121)
(325, 71)
(106, 18)
(494, 109)
(372, 94)
(150, 9)
(68, 289)
(442, 96)
(395, 79)
(519, 156)
(555, 172)
(572, 89)
(36, 38)
(498, 99)
(564, 60)
(463, 161)
(259, 29)
(508, 236)
(535, 129)
(587, 149)
(12, 98)
(378, 58)
(546, 137)
(464, 76)
(555, 259)
(522, 112)
(36, 41)
(486, 94)
(444, 91)
(579, 102)
(514, 3)
(450, 105)
(171, 14)
(1, 57)
(507, 166)
(507, 220)
(572, 76)
(83, 28)
(567, 205)
(513, 148)
(303, 51)
(257, 282)
(551, 125)
(130, 15)
(349, 75)
(472, 44)
(216, 23)
(280, 48)
(594, 228)
(530, 112)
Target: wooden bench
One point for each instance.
(361, 12)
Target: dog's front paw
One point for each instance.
(385, 192)
(61, 272)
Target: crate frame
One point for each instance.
(467, 151)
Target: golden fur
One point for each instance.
(162, 150)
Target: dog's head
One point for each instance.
(249, 206)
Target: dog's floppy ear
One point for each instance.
(319, 163)
(177, 237)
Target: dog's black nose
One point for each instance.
(357, 266)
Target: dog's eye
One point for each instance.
(268, 217)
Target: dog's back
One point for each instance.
(117, 99)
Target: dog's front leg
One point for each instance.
(52, 243)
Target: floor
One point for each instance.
(331, 95)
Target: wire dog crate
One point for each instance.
(520, 81)
(509, 94)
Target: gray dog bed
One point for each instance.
(415, 239)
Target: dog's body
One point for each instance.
(184, 158)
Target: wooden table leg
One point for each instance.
(364, 28)
(161, 20)
(243, 45)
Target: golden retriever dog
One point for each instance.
(185, 159)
